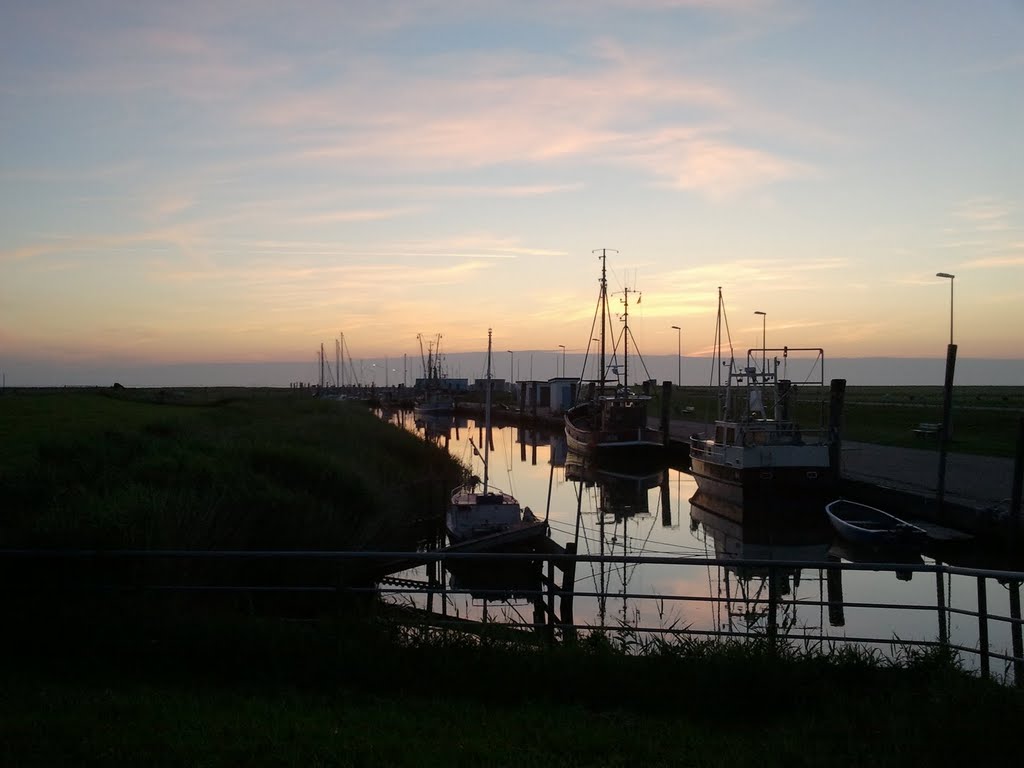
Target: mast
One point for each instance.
(625, 338)
(603, 300)
(487, 410)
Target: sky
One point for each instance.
(239, 182)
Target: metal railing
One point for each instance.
(552, 599)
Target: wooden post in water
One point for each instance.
(666, 404)
(947, 428)
(666, 500)
(834, 584)
(567, 592)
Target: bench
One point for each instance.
(928, 430)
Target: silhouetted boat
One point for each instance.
(611, 422)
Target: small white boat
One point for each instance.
(872, 527)
(475, 513)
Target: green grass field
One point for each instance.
(220, 469)
(985, 419)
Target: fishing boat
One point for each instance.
(871, 527)
(756, 449)
(433, 398)
(610, 420)
(478, 511)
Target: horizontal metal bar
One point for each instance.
(440, 555)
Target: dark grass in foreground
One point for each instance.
(222, 692)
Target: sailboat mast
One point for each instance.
(604, 302)
(487, 410)
(625, 338)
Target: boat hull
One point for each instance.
(611, 446)
(743, 485)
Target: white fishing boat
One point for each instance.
(479, 511)
(757, 449)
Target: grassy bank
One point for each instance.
(221, 469)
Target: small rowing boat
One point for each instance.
(872, 527)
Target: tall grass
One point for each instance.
(95, 470)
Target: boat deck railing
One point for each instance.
(418, 580)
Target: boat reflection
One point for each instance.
(852, 553)
(760, 598)
(619, 500)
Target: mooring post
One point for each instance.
(666, 404)
(666, 501)
(837, 396)
(567, 591)
(834, 586)
(947, 427)
(983, 626)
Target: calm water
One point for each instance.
(656, 513)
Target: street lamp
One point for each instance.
(764, 345)
(511, 366)
(950, 278)
(563, 359)
(679, 355)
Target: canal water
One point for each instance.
(658, 512)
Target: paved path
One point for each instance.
(974, 481)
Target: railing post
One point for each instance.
(773, 602)
(1015, 634)
(442, 567)
(983, 626)
(940, 599)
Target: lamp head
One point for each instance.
(677, 327)
(944, 274)
(759, 312)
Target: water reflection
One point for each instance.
(762, 598)
(658, 512)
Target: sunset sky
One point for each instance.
(242, 181)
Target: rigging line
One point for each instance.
(643, 546)
(636, 351)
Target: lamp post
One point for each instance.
(679, 355)
(511, 366)
(950, 278)
(947, 401)
(764, 345)
(563, 359)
